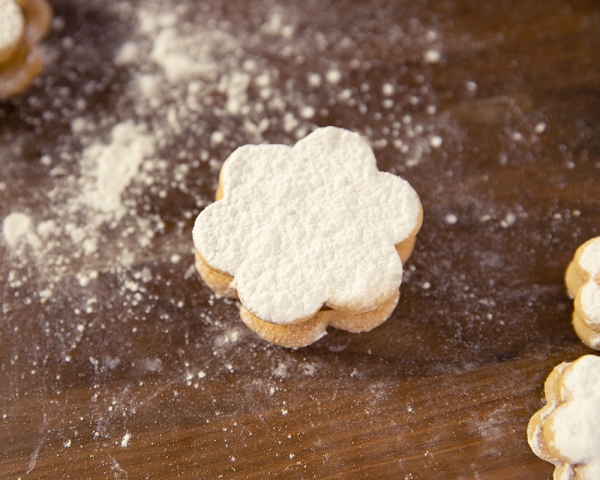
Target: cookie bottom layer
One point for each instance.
(18, 71)
(216, 281)
(302, 334)
(586, 334)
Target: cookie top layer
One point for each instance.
(12, 25)
(575, 423)
(302, 226)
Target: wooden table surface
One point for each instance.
(121, 364)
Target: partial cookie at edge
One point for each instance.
(580, 281)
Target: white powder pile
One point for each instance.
(82, 205)
(183, 57)
(302, 226)
(12, 24)
(17, 230)
(575, 424)
(113, 166)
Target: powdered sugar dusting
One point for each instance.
(302, 226)
(185, 57)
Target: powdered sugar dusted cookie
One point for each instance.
(583, 283)
(308, 236)
(22, 24)
(566, 432)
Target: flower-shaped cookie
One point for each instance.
(22, 24)
(583, 284)
(308, 236)
(566, 432)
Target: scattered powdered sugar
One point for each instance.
(432, 56)
(125, 440)
(298, 227)
(80, 207)
(509, 220)
(183, 57)
(280, 371)
(113, 166)
(17, 230)
(435, 141)
(451, 219)
(183, 82)
(228, 337)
